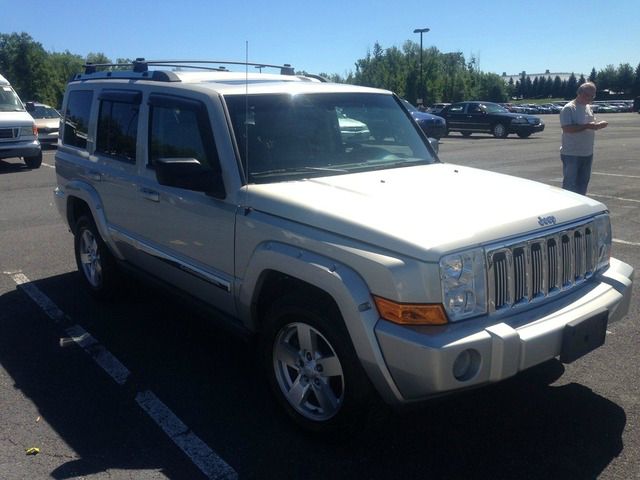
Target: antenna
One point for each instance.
(246, 124)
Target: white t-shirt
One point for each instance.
(578, 143)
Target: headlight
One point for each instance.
(28, 131)
(602, 225)
(463, 278)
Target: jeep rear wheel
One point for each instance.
(33, 162)
(312, 368)
(94, 260)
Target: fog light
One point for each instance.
(466, 365)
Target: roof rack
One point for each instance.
(140, 65)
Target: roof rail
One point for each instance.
(140, 65)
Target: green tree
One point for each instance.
(24, 62)
(593, 75)
(571, 86)
(635, 89)
(607, 78)
(624, 81)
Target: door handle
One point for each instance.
(149, 194)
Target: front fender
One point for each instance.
(347, 288)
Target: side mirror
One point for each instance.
(190, 174)
(30, 107)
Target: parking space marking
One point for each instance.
(621, 199)
(615, 175)
(207, 461)
(201, 455)
(109, 363)
(47, 165)
(624, 242)
(50, 308)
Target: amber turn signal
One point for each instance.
(411, 313)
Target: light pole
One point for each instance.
(421, 92)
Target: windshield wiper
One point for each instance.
(298, 171)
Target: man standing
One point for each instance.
(578, 134)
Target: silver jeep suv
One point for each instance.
(367, 266)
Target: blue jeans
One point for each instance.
(576, 172)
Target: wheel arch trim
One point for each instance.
(86, 193)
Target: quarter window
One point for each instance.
(76, 118)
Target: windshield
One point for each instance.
(40, 111)
(288, 137)
(9, 101)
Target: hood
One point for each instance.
(15, 119)
(424, 211)
(427, 117)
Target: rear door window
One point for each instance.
(118, 124)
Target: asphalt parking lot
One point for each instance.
(578, 421)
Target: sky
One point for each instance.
(329, 36)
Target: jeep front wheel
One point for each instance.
(312, 368)
(94, 260)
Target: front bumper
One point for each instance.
(526, 128)
(422, 360)
(20, 149)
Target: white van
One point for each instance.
(18, 132)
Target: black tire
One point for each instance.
(95, 262)
(500, 130)
(466, 134)
(318, 381)
(524, 134)
(33, 162)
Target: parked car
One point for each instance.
(437, 108)
(18, 131)
(350, 128)
(487, 117)
(364, 268)
(47, 120)
(433, 126)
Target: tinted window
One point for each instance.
(180, 130)
(117, 130)
(76, 118)
(456, 108)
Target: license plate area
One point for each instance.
(583, 336)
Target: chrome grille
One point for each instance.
(8, 133)
(540, 266)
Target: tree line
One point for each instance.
(39, 75)
(430, 75)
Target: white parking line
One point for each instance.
(50, 308)
(207, 461)
(47, 165)
(622, 199)
(615, 175)
(100, 355)
(624, 242)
